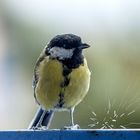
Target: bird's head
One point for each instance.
(65, 46)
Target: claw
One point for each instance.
(74, 127)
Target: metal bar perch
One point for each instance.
(70, 135)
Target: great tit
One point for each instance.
(61, 78)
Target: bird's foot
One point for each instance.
(73, 127)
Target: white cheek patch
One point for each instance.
(61, 53)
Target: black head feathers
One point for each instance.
(67, 41)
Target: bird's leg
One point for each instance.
(71, 115)
(72, 126)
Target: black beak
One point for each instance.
(84, 46)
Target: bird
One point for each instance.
(61, 79)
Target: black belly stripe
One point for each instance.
(61, 99)
(66, 71)
(64, 84)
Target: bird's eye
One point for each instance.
(47, 51)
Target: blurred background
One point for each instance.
(111, 27)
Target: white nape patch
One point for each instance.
(61, 53)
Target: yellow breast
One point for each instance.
(49, 87)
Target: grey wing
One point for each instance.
(34, 83)
(36, 76)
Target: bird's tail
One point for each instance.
(42, 118)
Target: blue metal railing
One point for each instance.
(71, 135)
